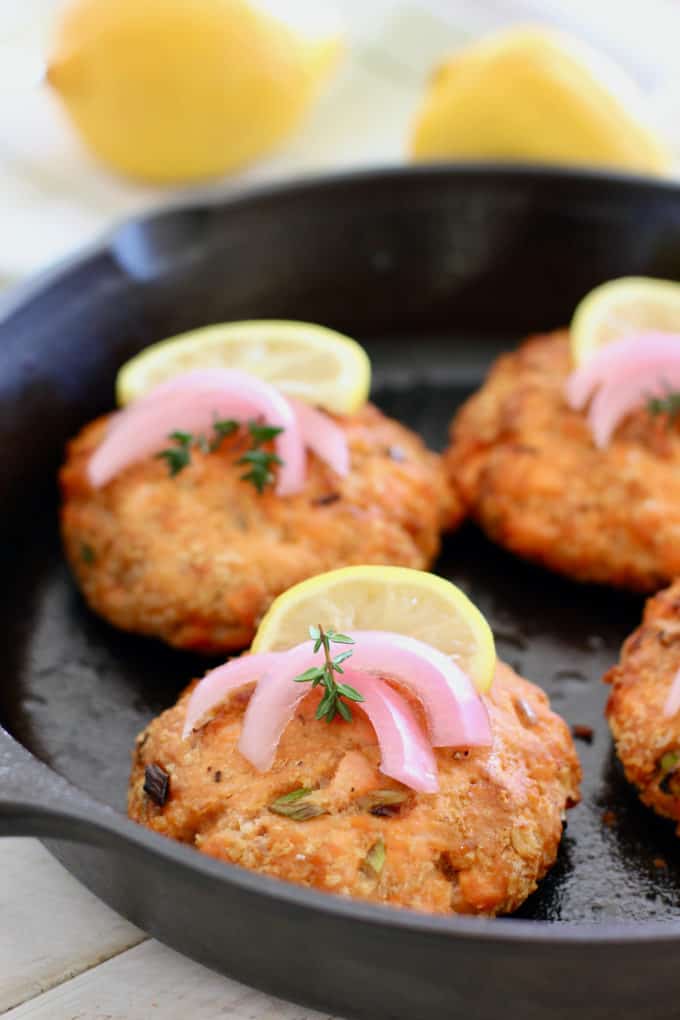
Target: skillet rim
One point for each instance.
(22, 291)
(517, 931)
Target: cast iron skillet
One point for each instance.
(435, 270)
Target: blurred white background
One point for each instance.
(54, 198)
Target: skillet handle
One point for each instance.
(35, 801)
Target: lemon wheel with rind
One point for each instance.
(398, 599)
(629, 304)
(304, 360)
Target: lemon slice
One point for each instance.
(626, 305)
(398, 599)
(303, 360)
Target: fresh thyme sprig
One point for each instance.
(263, 433)
(258, 461)
(336, 695)
(668, 405)
(178, 456)
(222, 429)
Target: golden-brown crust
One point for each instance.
(650, 659)
(528, 471)
(197, 559)
(479, 846)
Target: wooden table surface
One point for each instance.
(66, 956)
(63, 954)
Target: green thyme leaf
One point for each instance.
(374, 861)
(669, 761)
(176, 458)
(222, 429)
(258, 458)
(260, 463)
(325, 708)
(337, 659)
(263, 433)
(349, 692)
(225, 427)
(309, 675)
(343, 710)
(667, 405)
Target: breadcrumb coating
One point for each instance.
(479, 846)
(648, 741)
(196, 559)
(529, 473)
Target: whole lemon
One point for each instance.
(173, 91)
(534, 94)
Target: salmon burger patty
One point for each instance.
(648, 740)
(529, 473)
(196, 559)
(479, 846)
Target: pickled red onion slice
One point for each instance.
(273, 702)
(318, 430)
(269, 711)
(456, 715)
(406, 755)
(615, 401)
(623, 376)
(218, 683)
(405, 752)
(191, 403)
(323, 437)
(641, 352)
(672, 705)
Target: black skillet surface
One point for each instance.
(435, 270)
